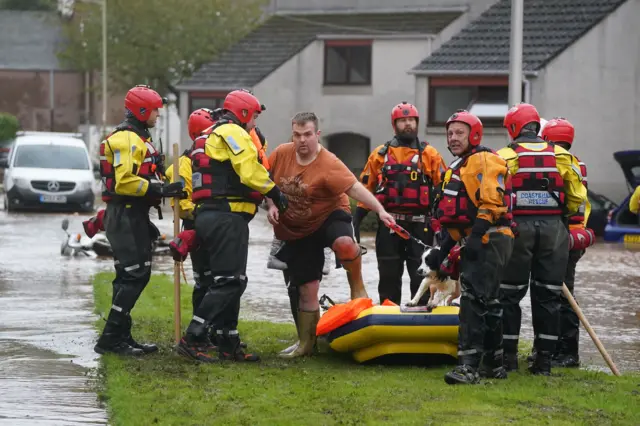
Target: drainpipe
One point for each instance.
(527, 90)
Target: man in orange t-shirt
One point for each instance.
(318, 186)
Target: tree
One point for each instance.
(156, 42)
(8, 127)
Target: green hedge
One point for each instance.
(8, 127)
(370, 223)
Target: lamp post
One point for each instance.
(515, 52)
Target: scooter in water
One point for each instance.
(74, 245)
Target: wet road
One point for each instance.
(46, 312)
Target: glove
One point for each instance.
(580, 239)
(474, 242)
(361, 213)
(183, 244)
(450, 266)
(158, 190)
(94, 225)
(278, 198)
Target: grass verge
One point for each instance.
(327, 389)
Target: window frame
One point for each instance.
(332, 44)
(474, 84)
(217, 97)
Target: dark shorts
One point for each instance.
(305, 257)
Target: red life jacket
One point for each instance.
(214, 180)
(151, 168)
(455, 207)
(578, 218)
(403, 185)
(537, 185)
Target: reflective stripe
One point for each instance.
(538, 170)
(117, 262)
(549, 286)
(536, 153)
(140, 187)
(207, 273)
(132, 267)
(147, 263)
(499, 352)
(577, 170)
(510, 336)
(455, 177)
(450, 192)
(150, 148)
(585, 179)
(148, 160)
(467, 352)
(116, 308)
(198, 319)
(103, 158)
(513, 287)
(497, 228)
(581, 163)
(197, 151)
(230, 277)
(233, 332)
(196, 275)
(547, 337)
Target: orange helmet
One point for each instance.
(403, 110)
(518, 117)
(141, 100)
(474, 123)
(242, 104)
(199, 120)
(558, 130)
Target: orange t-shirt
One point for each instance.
(314, 191)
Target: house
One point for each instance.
(34, 86)
(347, 62)
(581, 60)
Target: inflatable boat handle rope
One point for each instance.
(323, 302)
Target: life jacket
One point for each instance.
(455, 207)
(262, 155)
(212, 179)
(537, 185)
(151, 168)
(578, 217)
(403, 185)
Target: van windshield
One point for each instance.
(51, 157)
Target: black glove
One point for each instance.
(474, 242)
(278, 198)
(171, 190)
(361, 213)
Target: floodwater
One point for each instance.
(46, 312)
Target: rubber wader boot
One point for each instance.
(146, 348)
(294, 297)
(296, 344)
(354, 276)
(308, 323)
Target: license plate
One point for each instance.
(535, 198)
(632, 238)
(53, 199)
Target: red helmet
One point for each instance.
(199, 120)
(518, 117)
(558, 130)
(242, 104)
(141, 100)
(402, 110)
(474, 123)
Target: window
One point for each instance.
(205, 100)
(347, 62)
(487, 98)
(51, 157)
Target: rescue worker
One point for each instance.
(199, 121)
(561, 132)
(402, 174)
(228, 183)
(131, 170)
(319, 185)
(475, 203)
(547, 187)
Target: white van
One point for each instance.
(48, 170)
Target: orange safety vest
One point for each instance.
(262, 155)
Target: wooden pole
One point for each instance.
(176, 231)
(587, 327)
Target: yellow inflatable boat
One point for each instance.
(387, 330)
